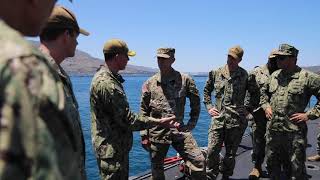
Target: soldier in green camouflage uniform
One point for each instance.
(112, 121)
(257, 78)
(163, 94)
(28, 90)
(289, 89)
(229, 84)
(58, 41)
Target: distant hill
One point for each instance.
(315, 69)
(84, 64)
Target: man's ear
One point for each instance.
(65, 35)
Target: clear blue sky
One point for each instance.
(201, 30)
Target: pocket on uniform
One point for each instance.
(273, 87)
(296, 89)
(156, 110)
(219, 88)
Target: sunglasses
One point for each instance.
(281, 58)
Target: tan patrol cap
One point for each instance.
(117, 46)
(236, 52)
(61, 17)
(166, 52)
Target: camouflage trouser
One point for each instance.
(188, 149)
(115, 168)
(286, 150)
(231, 138)
(258, 137)
(318, 143)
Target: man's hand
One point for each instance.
(213, 112)
(145, 143)
(167, 122)
(299, 117)
(268, 113)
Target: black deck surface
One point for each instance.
(243, 160)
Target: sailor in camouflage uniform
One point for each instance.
(112, 120)
(257, 78)
(289, 89)
(30, 95)
(229, 84)
(163, 94)
(58, 41)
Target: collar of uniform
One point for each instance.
(229, 75)
(293, 74)
(265, 69)
(115, 76)
(296, 72)
(53, 63)
(167, 79)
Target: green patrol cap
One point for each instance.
(61, 17)
(236, 52)
(287, 50)
(166, 52)
(117, 46)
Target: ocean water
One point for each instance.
(139, 158)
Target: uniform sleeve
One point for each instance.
(193, 95)
(252, 95)
(144, 105)
(121, 114)
(264, 95)
(24, 143)
(208, 90)
(314, 88)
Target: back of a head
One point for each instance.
(60, 20)
(26, 16)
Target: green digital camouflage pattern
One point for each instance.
(286, 150)
(289, 93)
(229, 92)
(259, 128)
(112, 124)
(231, 139)
(27, 87)
(229, 126)
(76, 157)
(162, 98)
(257, 79)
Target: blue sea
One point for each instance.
(139, 158)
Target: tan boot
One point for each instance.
(314, 158)
(255, 174)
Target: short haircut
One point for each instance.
(51, 34)
(109, 56)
